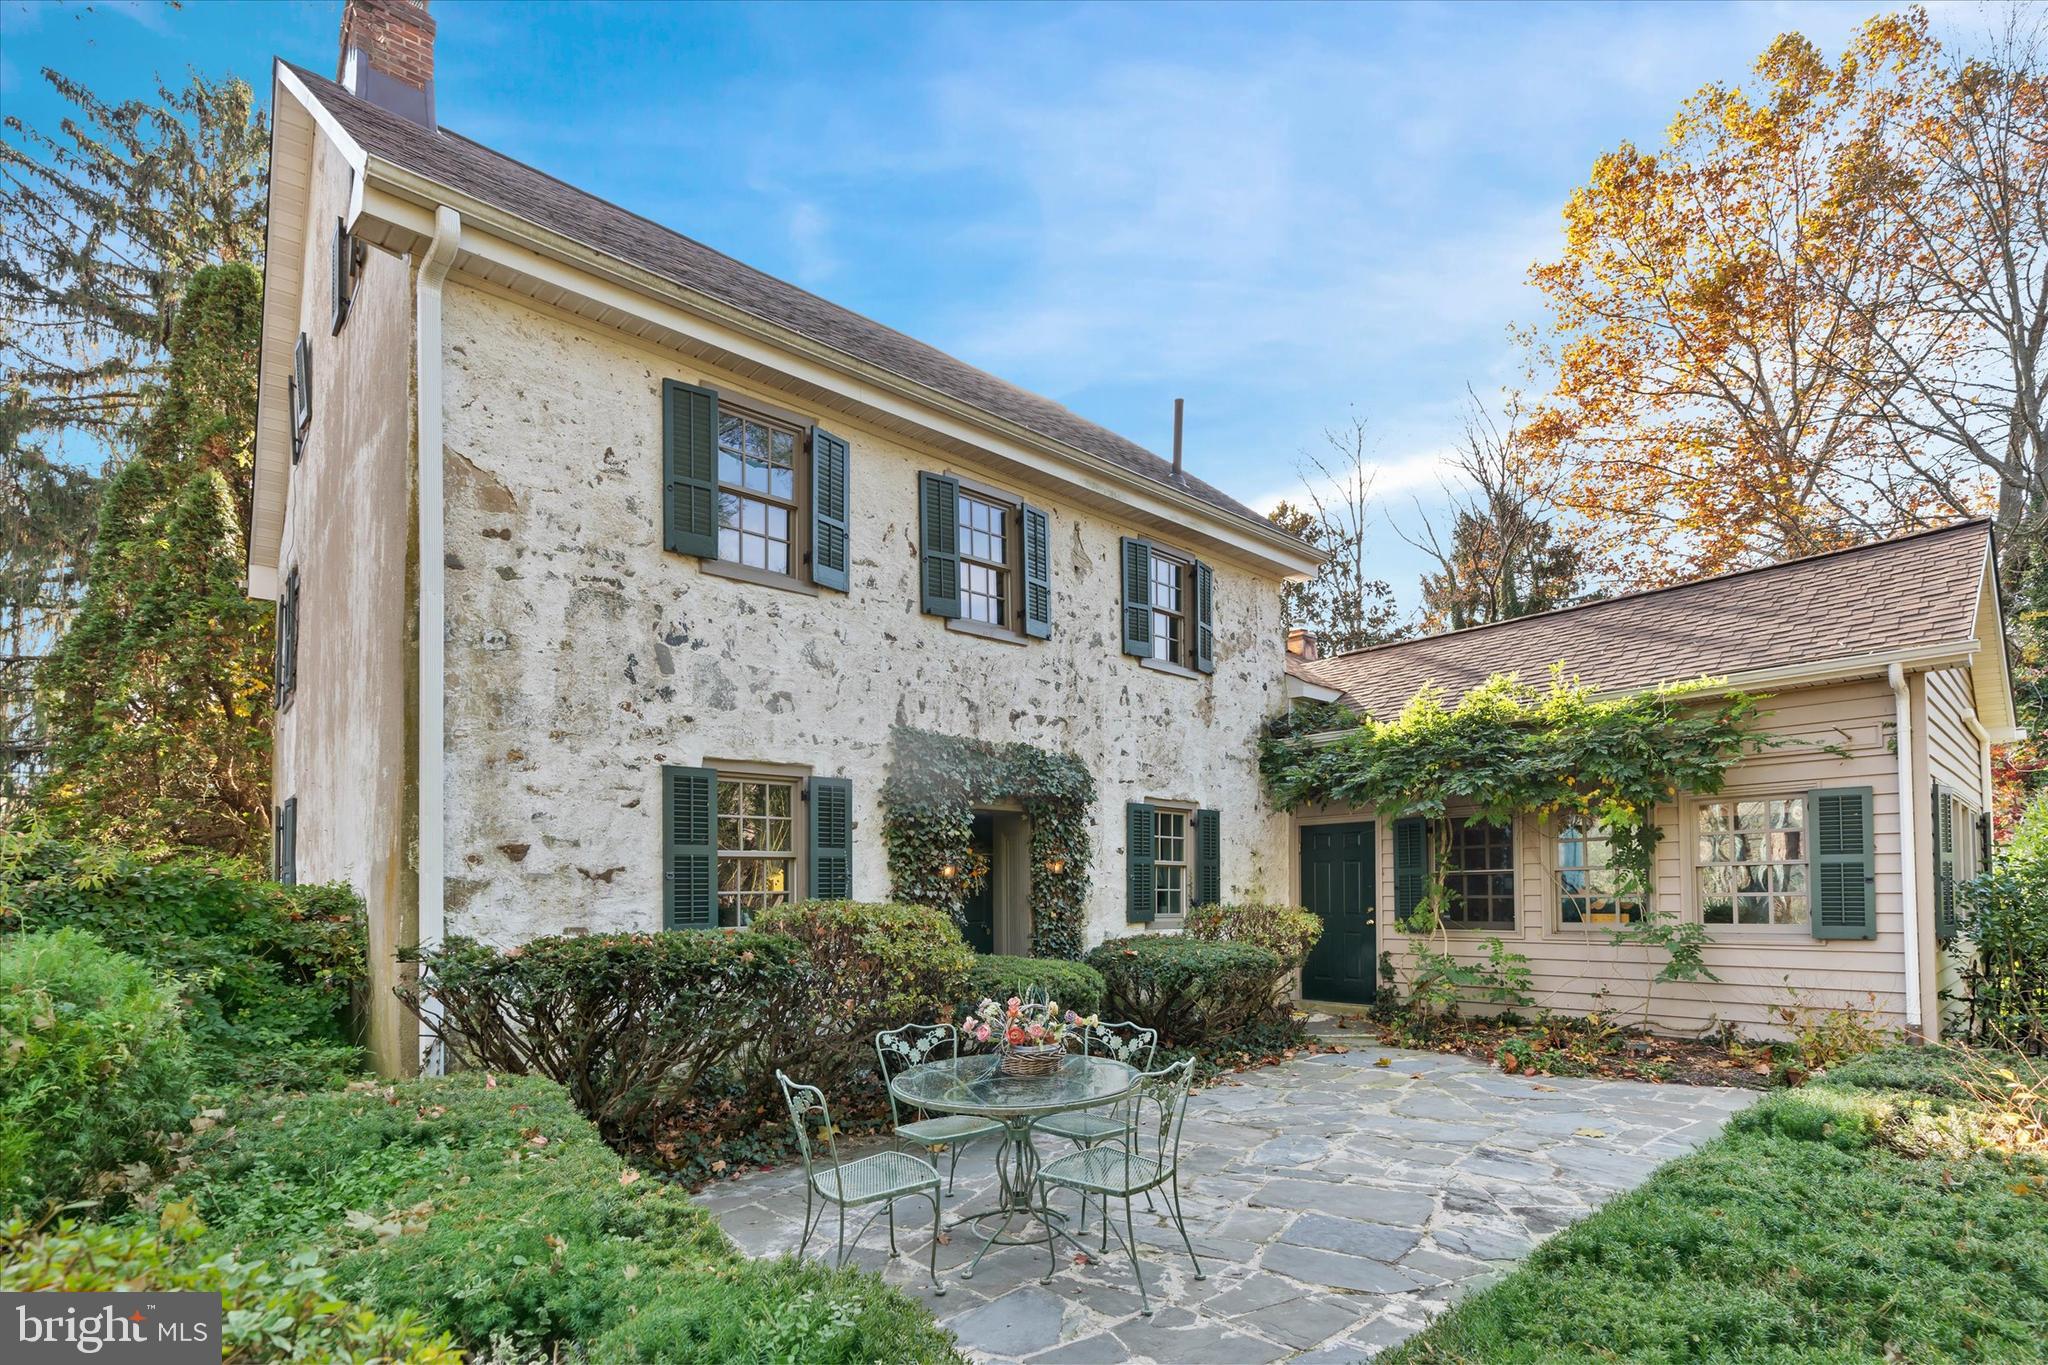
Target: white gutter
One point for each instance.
(1909, 862)
(439, 255)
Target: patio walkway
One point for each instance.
(1337, 1205)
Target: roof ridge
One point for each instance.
(1639, 593)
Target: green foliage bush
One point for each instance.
(626, 1022)
(1192, 992)
(1946, 1072)
(266, 970)
(270, 1311)
(2005, 922)
(1289, 932)
(490, 1208)
(94, 1065)
(1076, 985)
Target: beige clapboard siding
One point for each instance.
(1953, 756)
(1832, 736)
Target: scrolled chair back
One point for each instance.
(807, 1107)
(1158, 1107)
(899, 1049)
(1131, 1044)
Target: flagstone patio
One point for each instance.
(1337, 1201)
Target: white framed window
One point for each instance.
(1169, 609)
(1169, 862)
(1750, 861)
(757, 845)
(1589, 889)
(759, 517)
(985, 544)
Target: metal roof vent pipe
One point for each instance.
(1180, 406)
(387, 56)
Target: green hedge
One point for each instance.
(270, 1311)
(1289, 932)
(1076, 985)
(266, 970)
(1192, 992)
(94, 1066)
(490, 1208)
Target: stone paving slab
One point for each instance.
(1338, 1202)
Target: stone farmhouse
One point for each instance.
(609, 570)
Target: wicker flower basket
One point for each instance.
(1033, 1061)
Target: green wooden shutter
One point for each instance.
(830, 527)
(301, 387)
(1037, 571)
(938, 543)
(1984, 842)
(1208, 857)
(288, 843)
(1411, 865)
(1205, 630)
(831, 838)
(1137, 613)
(689, 801)
(340, 267)
(689, 469)
(285, 671)
(1843, 870)
(1944, 828)
(1141, 823)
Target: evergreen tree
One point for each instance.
(156, 702)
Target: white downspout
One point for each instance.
(1909, 861)
(440, 255)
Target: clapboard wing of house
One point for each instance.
(607, 568)
(1824, 872)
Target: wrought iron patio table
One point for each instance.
(977, 1086)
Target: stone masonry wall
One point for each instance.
(581, 656)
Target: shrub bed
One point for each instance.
(266, 970)
(1189, 990)
(1289, 932)
(1076, 985)
(490, 1208)
(94, 1066)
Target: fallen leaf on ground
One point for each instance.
(1384, 1061)
(1589, 1132)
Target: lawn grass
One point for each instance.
(1801, 1234)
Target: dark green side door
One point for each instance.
(979, 910)
(1337, 883)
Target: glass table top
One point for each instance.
(976, 1085)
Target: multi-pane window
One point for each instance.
(1169, 610)
(1750, 857)
(1169, 862)
(984, 561)
(757, 492)
(1480, 874)
(1589, 889)
(756, 846)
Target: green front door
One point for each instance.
(1337, 884)
(978, 911)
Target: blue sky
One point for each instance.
(1285, 214)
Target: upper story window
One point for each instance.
(985, 545)
(1170, 861)
(346, 264)
(1169, 609)
(756, 846)
(301, 386)
(1480, 875)
(758, 512)
(284, 680)
(1750, 857)
(1588, 886)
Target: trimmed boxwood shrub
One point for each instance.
(270, 1311)
(266, 970)
(490, 1208)
(1290, 932)
(626, 1022)
(94, 1066)
(1191, 991)
(1076, 985)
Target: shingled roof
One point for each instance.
(450, 159)
(1890, 596)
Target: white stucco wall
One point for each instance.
(581, 657)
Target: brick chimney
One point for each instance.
(1302, 644)
(387, 56)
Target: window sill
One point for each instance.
(983, 630)
(747, 573)
(1172, 670)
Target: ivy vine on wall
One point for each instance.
(935, 781)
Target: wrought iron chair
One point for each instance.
(1145, 1157)
(882, 1178)
(900, 1049)
(1127, 1043)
